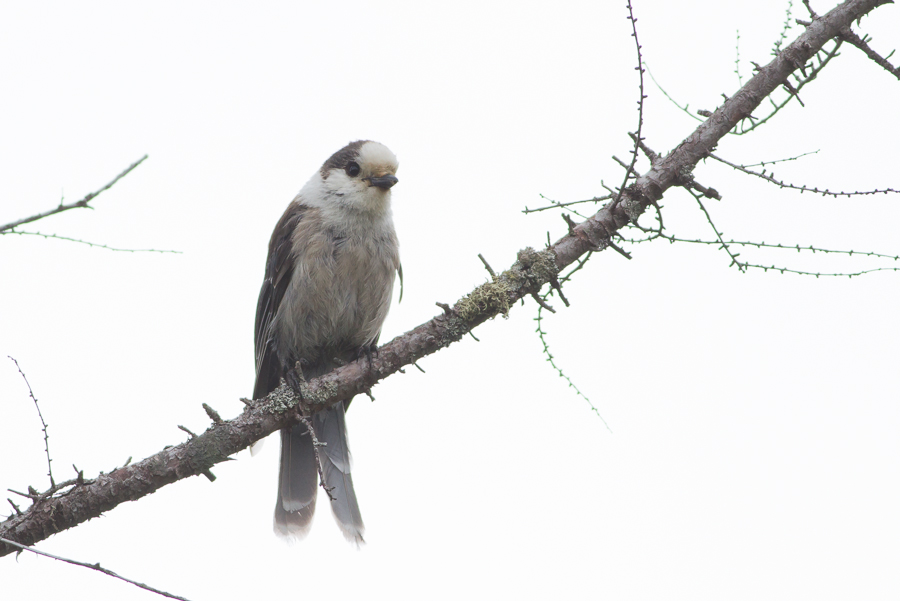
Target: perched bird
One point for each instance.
(328, 285)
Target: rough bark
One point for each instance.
(533, 269)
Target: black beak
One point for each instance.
(385, 182)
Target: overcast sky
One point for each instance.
(754, 449)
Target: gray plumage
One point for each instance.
(328, 285)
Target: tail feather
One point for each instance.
(297, 479)
(335, 459)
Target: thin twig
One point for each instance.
(91, 244)
(776, 107)
(43, 423)
(629, 171)
(316, 444)
(542, 302)
(850, 37)
(686, 108)
(796, 247)
(487, 266)
(619, 250)
(552, 361)
(14, 506)
(771, 178)
(81, 204)
(794, 158)
(183, 429)
(776, 50)
(725, 247)
(817, 274)
(92, 566)
(809, 8)
(558, 205)
(213, 414)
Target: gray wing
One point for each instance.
(279, 268)
(297, 476)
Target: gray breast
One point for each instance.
(339, 295)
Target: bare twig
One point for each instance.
(862, 43)
(619, 250)
(92, 566)
(819, 274)
(542, 303)
(552, 361)
(91, 244)
(629, 170)
(771, 178)
(651, 154)
(558, 205)
(27, 495)
(43, 423)
(794, 158)
(14, 506)
(784, 30)
(776, 107)
(725, 247)
(809, 8)
(81, 204)
(316, 444)
(213, 414)
(487, 266)
(685, 109)
(183, 429)
(795, 247)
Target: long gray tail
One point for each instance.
(297, 479)
(335, 458)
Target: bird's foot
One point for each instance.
(294, 377)
(369, 350)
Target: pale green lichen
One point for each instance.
(540, 266)
(284, 399)
(322, 394)
(280, 400)
(532, 269)
(490, 297)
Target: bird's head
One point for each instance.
(361, 174)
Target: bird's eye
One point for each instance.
(352, 169)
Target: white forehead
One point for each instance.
(376, 157)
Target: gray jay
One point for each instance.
(329, 280)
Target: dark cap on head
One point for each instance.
(342, 157)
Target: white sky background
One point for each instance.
(754, 451)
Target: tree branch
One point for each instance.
(80, 204)
(526, 276)
(92, 566)
(850, 37)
